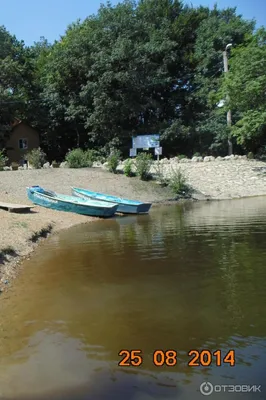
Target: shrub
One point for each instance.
(3, 159)
(160, 175)
(113, 160)
(128, 168)
(143, 166)
(77, 158)
(180, 156)
(178, 184)
(36, 158)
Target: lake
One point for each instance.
(142, 307)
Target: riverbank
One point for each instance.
(20, 233)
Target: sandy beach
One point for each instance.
(20, 232)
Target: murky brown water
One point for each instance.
(184, 277)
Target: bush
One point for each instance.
(143, 166)
(178, 185)
(113, 160)
(128, 168)
(78, 158)
(36, 158)
(160, 175)
(180, 156)
(3, 159)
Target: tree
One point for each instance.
(245, 83)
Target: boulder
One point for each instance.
(184, 160)
(63, 164)
(219, 158)
(97, 164)
(21, 168)
(206, 159)
(46, 165)
(6, 168)
(197, 159)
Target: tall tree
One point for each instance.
(246, 86)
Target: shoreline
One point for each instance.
(21, 233)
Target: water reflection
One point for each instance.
(184, 277)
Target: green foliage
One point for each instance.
(143, 166)
(178, 184)
(245, 84)
(197, 154)
(181, 156)
(113, 160)
(250, 155)
(133, 68)
(128, 168)
(78, 158)
(3, 159)
(36, 158)
(159, 173)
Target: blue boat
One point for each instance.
(61, 202)
(125, 206)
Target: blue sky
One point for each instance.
(30, 19)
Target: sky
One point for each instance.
(31, 19)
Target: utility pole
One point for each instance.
(229, 112)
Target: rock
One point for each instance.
(219, 158)
(97, 164)
(21, 168)
(206, 159)
(7, 168)
(211, 158)
(196, 159)
(174, 160)
(164, 161)
(236, 157)
(63, 164)
(46, 165)
(242, 157)
(184, 160)
(105, 165)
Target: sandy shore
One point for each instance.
(20, 232)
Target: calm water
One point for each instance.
(184, 277)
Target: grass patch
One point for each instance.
(143, 166)
(21, 224)
(5, 252)
(43, 233)
(178, 184)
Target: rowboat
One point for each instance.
(61, 202)
(125, 206)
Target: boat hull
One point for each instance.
(125, 206)
(41, 197)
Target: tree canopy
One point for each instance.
(153, 66)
